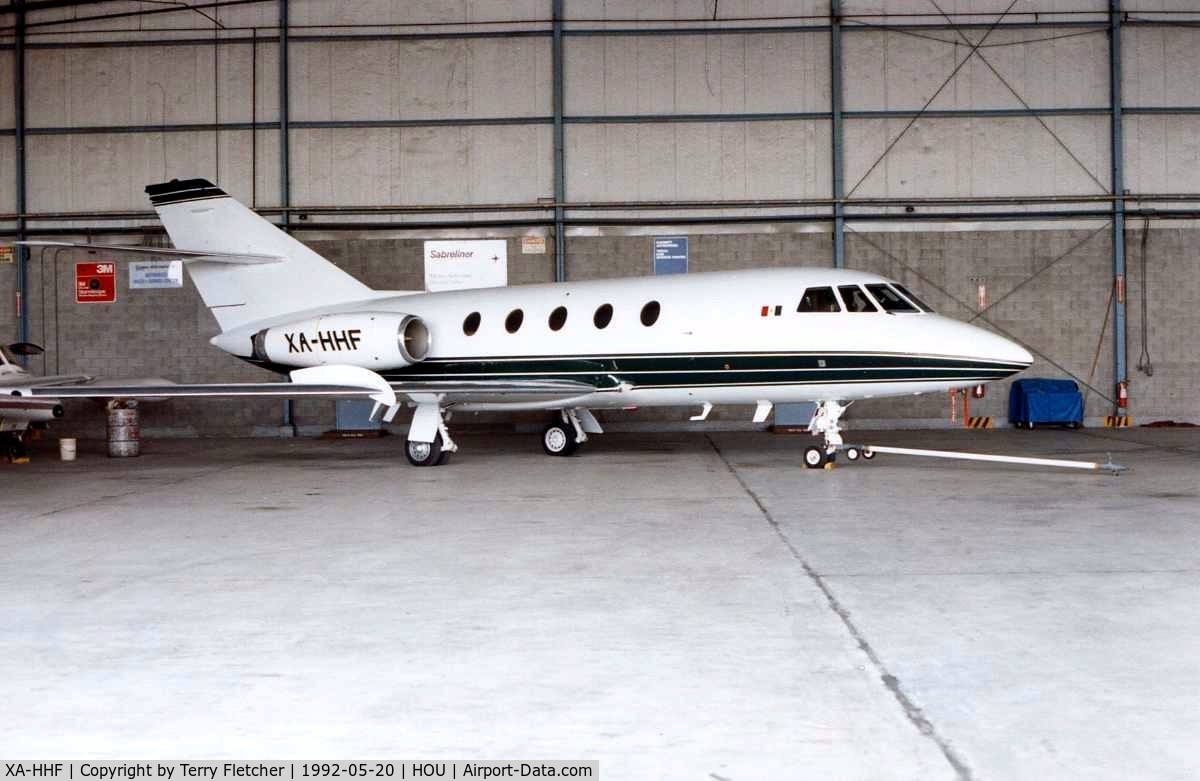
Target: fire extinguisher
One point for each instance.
(979, 391)
(1122, 394)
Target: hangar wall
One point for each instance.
(976, 147)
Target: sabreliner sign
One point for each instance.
(463, 264)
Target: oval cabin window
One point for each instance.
(558, 318)
(512, 323)
(471, 324)
(650, 313)
(603, 316)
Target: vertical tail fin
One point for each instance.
(199, 216)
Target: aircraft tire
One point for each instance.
(424, 453)
(558, 439)
(814, 457)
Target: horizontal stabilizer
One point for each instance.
(168, 253)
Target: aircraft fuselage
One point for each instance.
(724, 338)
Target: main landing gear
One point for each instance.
(12, 447)
(427, 453)
(563, 435)
(825, 422)
(429, 442)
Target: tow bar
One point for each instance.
(868, 451)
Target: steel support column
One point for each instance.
(285, 168)
(560, 176)
(836, 134)
(285, 185)
(1120, 371)
(21, 256)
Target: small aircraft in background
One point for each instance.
(18, 411)
(760, 338)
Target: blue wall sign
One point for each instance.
(670, 255)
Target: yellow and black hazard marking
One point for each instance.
(1117, 421)
(979, 422)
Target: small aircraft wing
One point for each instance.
(46, 381)
(187, 256)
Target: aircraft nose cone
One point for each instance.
(1002, 350)
(980, 344)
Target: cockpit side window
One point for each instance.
(818, 299)
(855, 299)
(890, 300)
(908, 294)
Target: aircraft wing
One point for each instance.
(331, 382)
(497, 387)
(452, 391)
(187, 256)
(214, 390)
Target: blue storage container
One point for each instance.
(1045, 402)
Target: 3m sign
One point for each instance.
(95, 283)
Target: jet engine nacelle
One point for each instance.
(372, 340)
(19, 406)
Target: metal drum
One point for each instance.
(124, 434)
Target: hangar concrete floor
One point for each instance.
(675, 606)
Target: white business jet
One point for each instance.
(741, 337)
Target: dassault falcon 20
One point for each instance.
(740, 337)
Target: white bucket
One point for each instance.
(66, 449)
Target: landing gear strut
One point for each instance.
(825, 422)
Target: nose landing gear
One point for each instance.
(825, 422)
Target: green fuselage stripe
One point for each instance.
(667, 371)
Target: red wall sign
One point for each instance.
(95, 283)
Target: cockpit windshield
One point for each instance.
(908, 294)
(855, 299)
(890, 300)
(818, 299)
